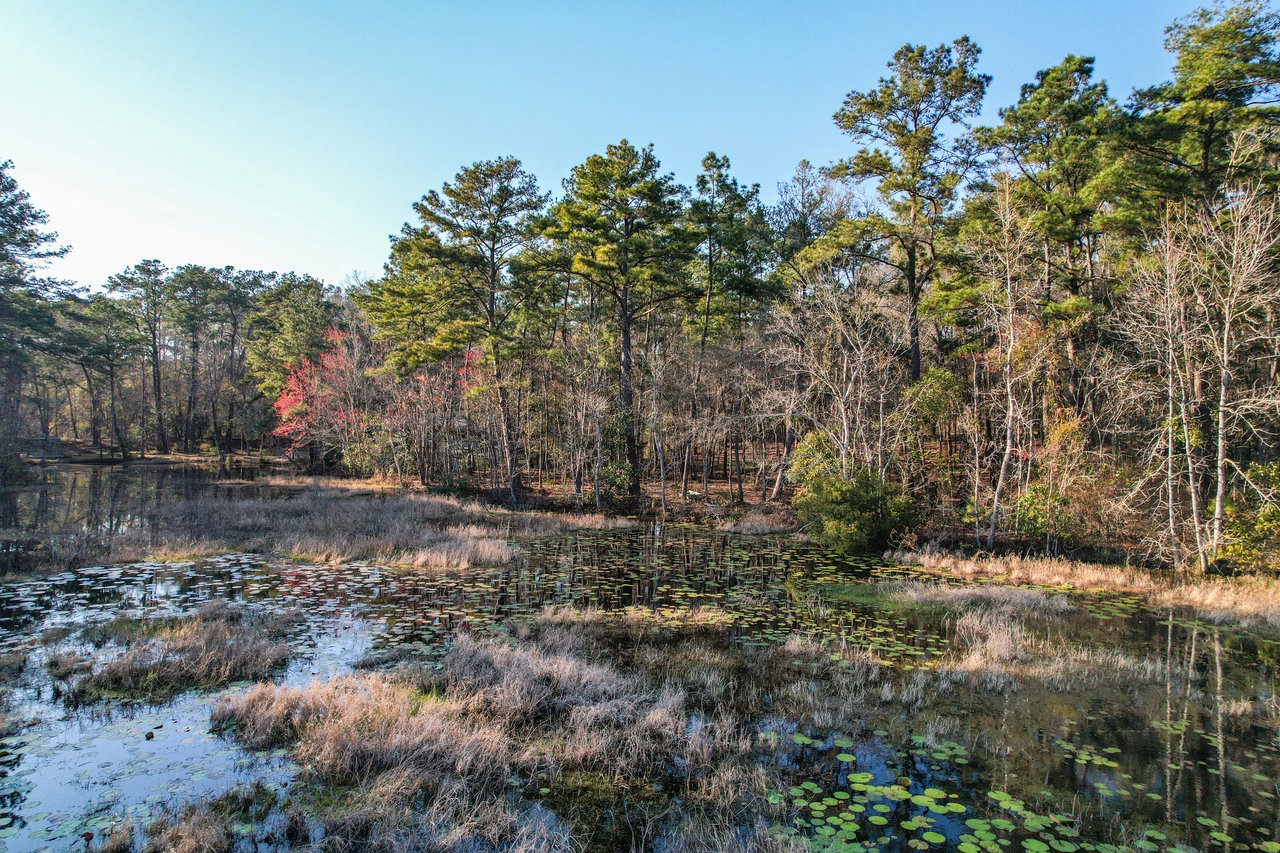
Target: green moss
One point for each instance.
(602, 807)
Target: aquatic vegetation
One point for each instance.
(491, 713)
(702, 836)
(117, 838)
(1082, 668)
(62, 665)
(210, 825)
(9, 724)
(12, 664)
(669, 688)
(491, 709)
(215, 646)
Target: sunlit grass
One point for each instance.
(1245, 600)
(348, 522)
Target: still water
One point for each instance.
(1189, 759)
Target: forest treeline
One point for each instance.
(1063, 328)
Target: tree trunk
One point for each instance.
(162, 438)
(657, 447)
(1171, 479)
(789, 438)
(1220, 497)
(913, 313)
(1008, 416)
(95, 408)
(115, 420)
(11, 376)
(510, 445)
(627, 398)
(595, 475)
(189, 423)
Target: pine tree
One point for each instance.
(450, 284)
(27, 322)
(919, 170)
(622, 226)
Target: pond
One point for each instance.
(1186, 756)
(68, 514)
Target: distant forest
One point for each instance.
(1061, 330)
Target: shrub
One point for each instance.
(1253, 526)
(853, 512)
(615, 482)
(1042, 512)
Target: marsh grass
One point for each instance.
(629, 725)
(998, 650)
(427, 757)
(1245, 600)
(1016, 601)
(217, 645)
(393, 815)
(62, 665)
(333, 524)
(56, 634)
(117, 838)
(1080, 668)
(703, 835)
(594, 707)
(9, 724)
(205, 827)
(765, 520)
(493, 709)
(12, 664)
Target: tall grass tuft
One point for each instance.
(216, 646)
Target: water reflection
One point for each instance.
(70, 514)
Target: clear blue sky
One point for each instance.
(296, 135)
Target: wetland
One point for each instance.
(594, 685)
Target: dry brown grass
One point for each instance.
(1250, 600)
(204, 827)
(12, 664)
(9, 724)
(1077, 668)
(428, 754)
(763, 520)
(600, 705)
(117, 838)
(198, 829)
(709, 836)
(996, 652)
(216, 646)
(491, 710)
(986, 637)
(336, 524)
(693, 647)
(1010, 600)
(392, 816)
(1244, 600)
(1044, 571)
(355, 729)
(65, 664)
